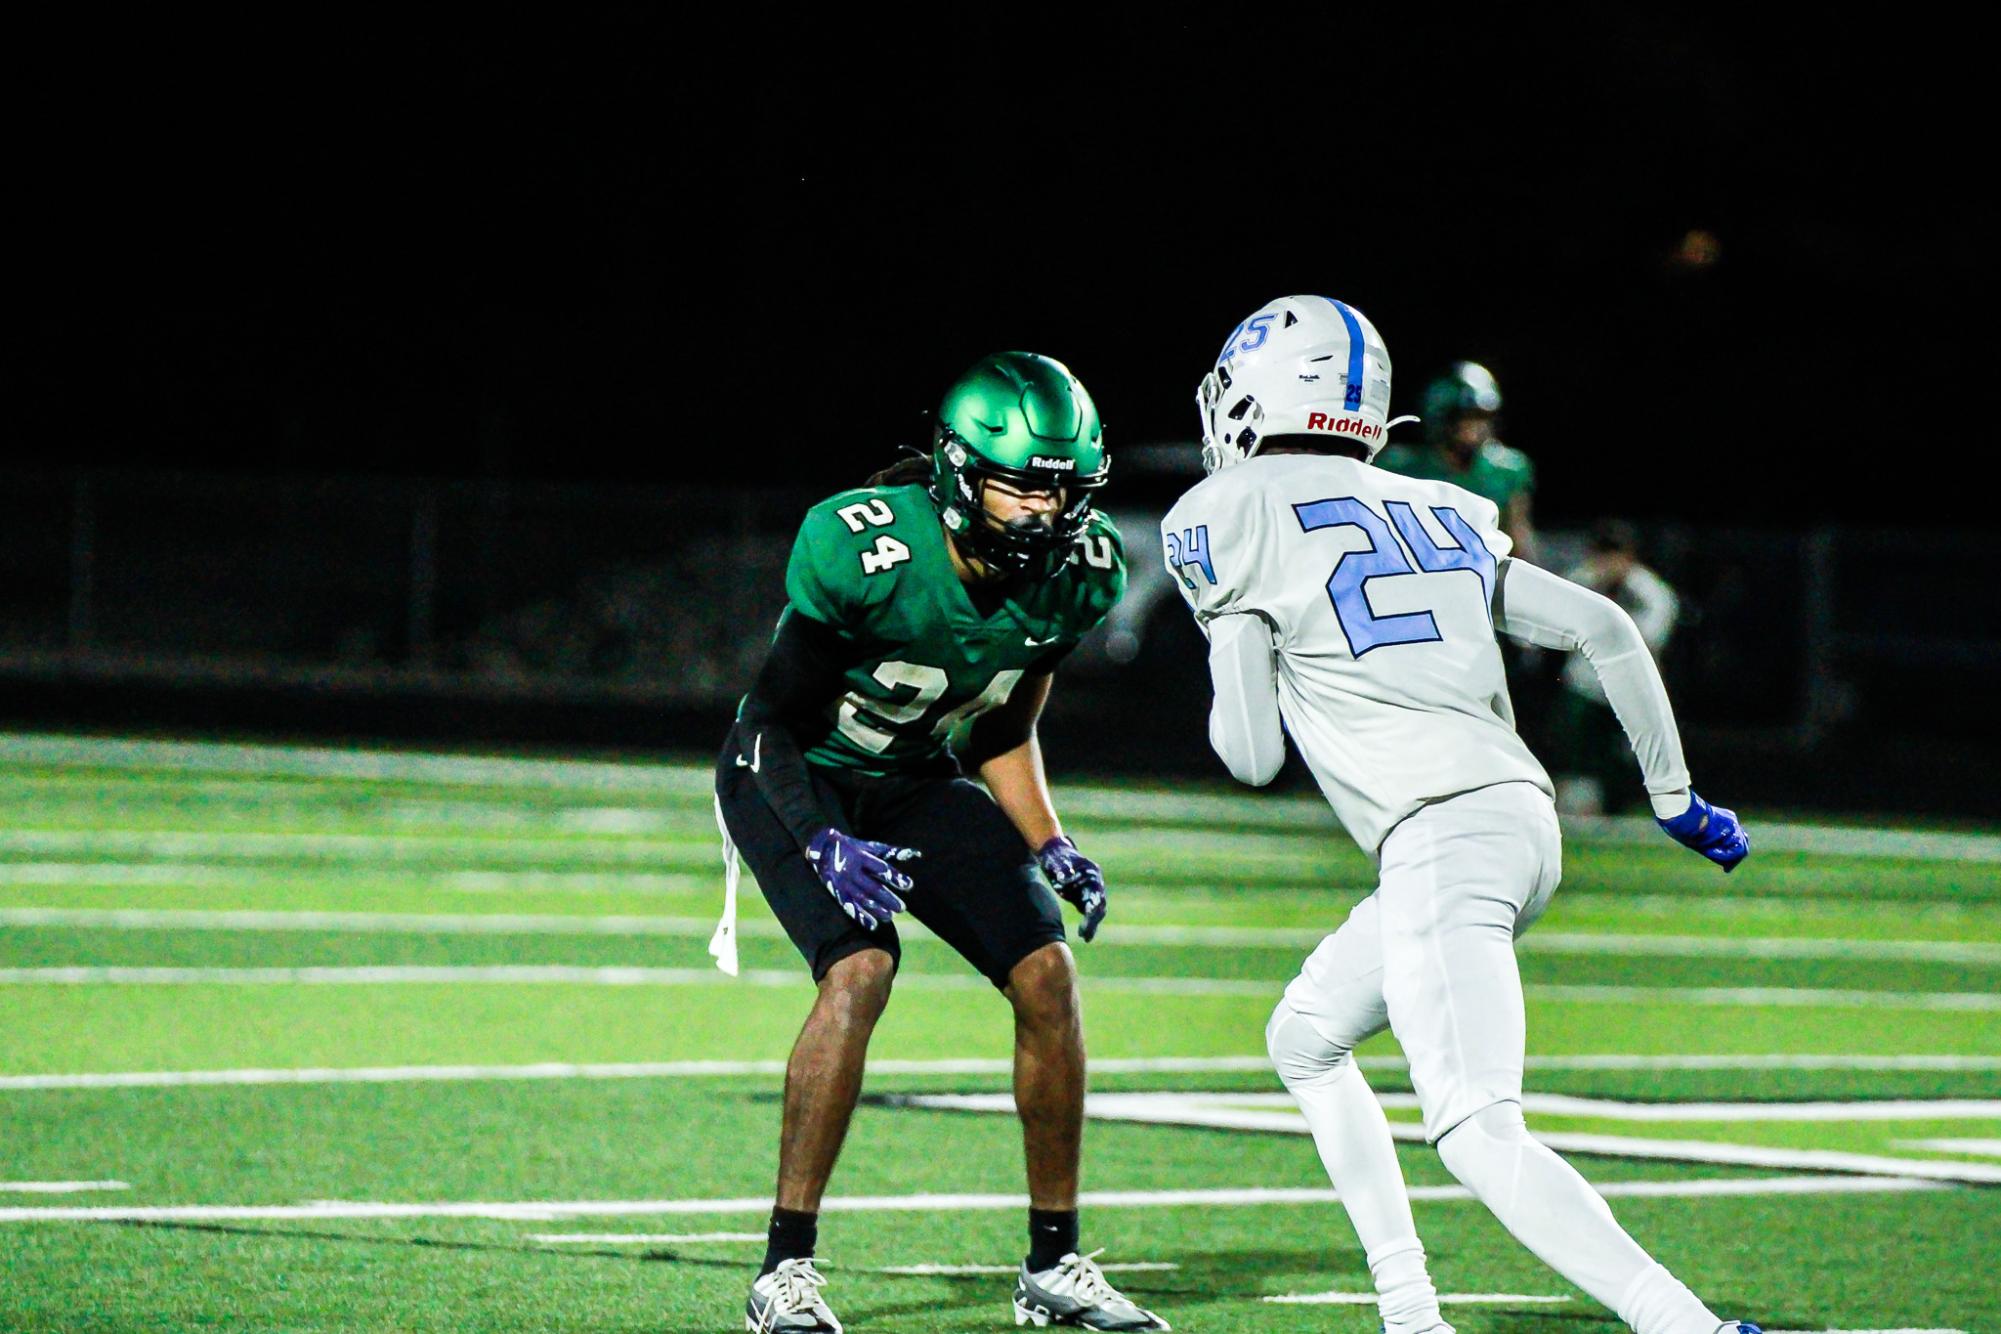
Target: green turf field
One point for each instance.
(336, 1040)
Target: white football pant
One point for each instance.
(1430, 955)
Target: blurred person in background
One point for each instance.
(1595, 766)
(1460, 410)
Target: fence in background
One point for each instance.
(1796, 645)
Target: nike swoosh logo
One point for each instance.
(756, 755)
(840, 862)
(1033, 642)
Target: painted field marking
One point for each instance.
(424, 1074)
(639, 1238)
(1305, 814)
(1984, 1148)
(59, 1187)
(209, 875)
(1865, 1331)
(547, 1210)
(367, 766)
(1607, 1109)
(376, 923)
(1444, 1299)
(1198, 937)
(1755, 997)
(1783, 1061)
(613, 976)
(384, 848)
(417, 1074)
(1206, 1110)
(1125, 1267)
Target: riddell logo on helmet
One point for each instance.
(1355, 426)
(1047, 464)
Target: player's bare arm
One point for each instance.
(1005, 752)
(1007, 755)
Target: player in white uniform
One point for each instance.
(1356, 611)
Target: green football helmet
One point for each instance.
(1467, 388)
(1024, 420)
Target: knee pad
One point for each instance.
(1484, 1143)
(1298, 1051)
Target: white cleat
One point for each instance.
(1076, 1292)
(788, 1301)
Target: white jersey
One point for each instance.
(1378, 591)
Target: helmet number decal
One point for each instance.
(1385, 558)
(886, 552)
(1254, 332)
(857, 517)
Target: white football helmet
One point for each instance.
(1302, 365)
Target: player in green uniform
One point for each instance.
(1459, 447)
(935, 601)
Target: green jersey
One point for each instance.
(872, 563)
(1497, 472)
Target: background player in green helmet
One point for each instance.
(935, 601)
(1460, 408)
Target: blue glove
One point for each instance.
(1077, 878)
(1711, 831)
(857, 872)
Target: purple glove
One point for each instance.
(1711, 831)
(1077, 878)
(857, 872)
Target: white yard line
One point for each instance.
(1206, 1110)
(1785, 1061)
(549, 1210)
(1560, 1104)
(932, 1270)
(209, 875)
(385, 848)
(426, 1074)
(1826, 840)
(1444, 1299)
(614, 976)
(363, 765)
(59, 1187)
(1305, 814)
(639, 1238)
(376, 923)
(1216, 937)
(1983, 1148)
(1756, 997)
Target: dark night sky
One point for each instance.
(636, 249)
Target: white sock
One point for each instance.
(1554, 1212)
(1353, 1137)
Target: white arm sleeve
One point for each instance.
(1243, 722)
(1536, 607)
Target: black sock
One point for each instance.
(793, 1236)
(1052, 1234)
